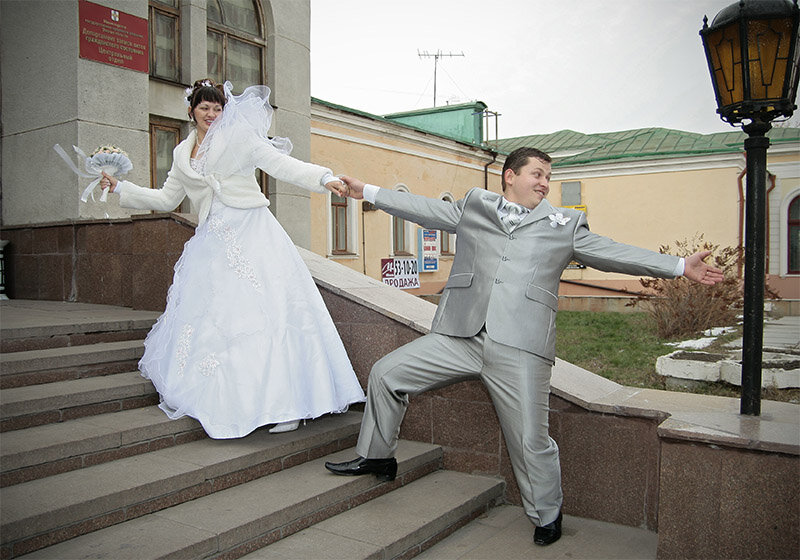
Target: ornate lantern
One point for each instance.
(753, 56)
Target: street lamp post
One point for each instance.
(754, 60)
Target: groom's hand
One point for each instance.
(697, 270)
(355, 188)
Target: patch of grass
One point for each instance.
(624, 347)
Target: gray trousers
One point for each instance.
(518, 382)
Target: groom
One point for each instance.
(496, 320)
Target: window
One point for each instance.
(399, 241)
(401, 237)
(235, 43)
(342, 225)
(793, 244)
(447, 243)
(571, 193)
(164, 40)
(339, 224)
(164, 136)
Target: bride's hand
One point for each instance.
(337, 187)
(108, 182)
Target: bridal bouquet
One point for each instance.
(110, 159)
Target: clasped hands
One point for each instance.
(347, 187)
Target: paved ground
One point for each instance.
(782, 333)
(506, 533)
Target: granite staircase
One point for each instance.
(91, 468)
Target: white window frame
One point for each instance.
(780, 245)
(352, 228)
(408, 230)
(447, 197)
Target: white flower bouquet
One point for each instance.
(112, 160)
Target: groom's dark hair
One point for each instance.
(518, 159)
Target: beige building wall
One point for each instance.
(657, 208)
(648, 203)
(390, 156)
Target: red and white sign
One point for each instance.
(400, 273)
(113, 37)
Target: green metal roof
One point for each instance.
(568, 147)
(412, 126)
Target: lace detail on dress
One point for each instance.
(184, 344)
(240, 265)
(197, 166)
(208, 366)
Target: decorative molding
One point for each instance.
(785, 170)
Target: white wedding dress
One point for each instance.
(246, 339)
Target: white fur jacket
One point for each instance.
(236, 191)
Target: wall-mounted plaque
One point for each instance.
(113, 37)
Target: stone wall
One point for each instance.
(713, 483)
(125, 262)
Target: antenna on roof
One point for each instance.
(436, 56)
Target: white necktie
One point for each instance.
(514, 214)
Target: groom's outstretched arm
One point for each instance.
(427, 212)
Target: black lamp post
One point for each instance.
(754, 58)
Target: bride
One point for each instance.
(245, 339)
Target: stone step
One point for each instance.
(42, 512)
(397, 525)
(42, 451)
(238, 520)
(30, 367)
(35, 405)
(35, 325)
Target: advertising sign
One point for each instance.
(400, 273)
(428, 244)
(113, 37)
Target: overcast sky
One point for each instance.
(544, 65)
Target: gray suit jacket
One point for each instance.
(508, 281)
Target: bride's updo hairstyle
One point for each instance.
(204, 90)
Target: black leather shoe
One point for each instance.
(548, 534)
(384, 469)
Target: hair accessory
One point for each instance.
(189, 91)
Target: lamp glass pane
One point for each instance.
(726, 59)
(768, 50)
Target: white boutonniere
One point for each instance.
(558, 219)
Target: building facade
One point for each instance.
(648, 187)
(114, 72)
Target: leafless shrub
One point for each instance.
(681, 307)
